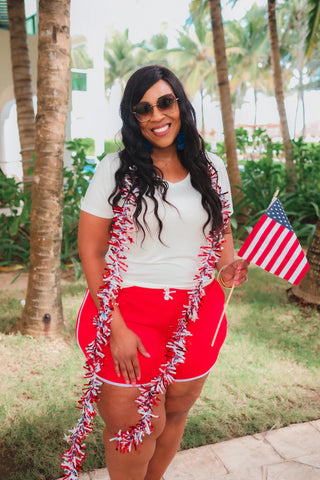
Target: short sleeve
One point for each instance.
(223, 179)
(100, 188)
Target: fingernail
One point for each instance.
(133, 383)
(127, 382)
(138, 378)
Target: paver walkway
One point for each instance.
(290, 453)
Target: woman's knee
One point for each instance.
(158, 425)
(181, 396)
(118, 409)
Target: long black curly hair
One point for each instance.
(136, 161)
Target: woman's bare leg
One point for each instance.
(180, 397)
(118, 410)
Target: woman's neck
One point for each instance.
(168, 162)
(164, 156)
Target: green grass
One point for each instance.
(267, 375)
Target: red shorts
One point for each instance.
(154, 319)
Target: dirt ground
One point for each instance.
(7, 279)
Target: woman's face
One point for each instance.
(162, 128)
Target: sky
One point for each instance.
(143, 17)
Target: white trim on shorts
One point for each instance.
(126, 384)
(145, 384)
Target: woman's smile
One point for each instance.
(162, 128)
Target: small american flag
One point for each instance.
(273, 246)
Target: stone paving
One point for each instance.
(290, 453)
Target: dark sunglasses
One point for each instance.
(166, 104)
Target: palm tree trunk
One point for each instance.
(22, 82)
(278, 86)
(308, 290)
(42, 314)
(225, 98)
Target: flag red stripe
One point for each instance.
(294, 265)
(267, 248)
(280, 248)
(252, 234)
(287, 258)
(262, 237)
(301, 274)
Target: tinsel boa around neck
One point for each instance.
(175, 349)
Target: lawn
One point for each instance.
(267, 376)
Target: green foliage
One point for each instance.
(79, 57)
(122, 58)
(193, 59)
(15, 205)
(303, 205)
(264, 173)
(76, 181)
(87, 143)
(15, 208)
(313, 33)
(263, 177)
(111, 146)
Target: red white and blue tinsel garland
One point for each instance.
(175, 349)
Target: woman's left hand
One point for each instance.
(235, 272)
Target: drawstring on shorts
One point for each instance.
(167, 292)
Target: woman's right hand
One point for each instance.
(124, 346)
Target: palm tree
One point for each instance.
(225, 98)
(157, 43)
(313, 36)
(278, 87)
(193, 60)
(79, 56)
(22, 82)
(122, 57)
(155, 50)
(293, 25)
(42, 314)
(308, 290)
(247, 47)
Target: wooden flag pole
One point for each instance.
(222, 315)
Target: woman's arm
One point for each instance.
(231, 271)
(93, 237)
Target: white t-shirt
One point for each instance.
(152, 264)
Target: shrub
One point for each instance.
(76, 181)
(261, 178)
(15, 207)
(111, 146)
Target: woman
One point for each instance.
(179, 199)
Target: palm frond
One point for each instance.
(313, 35)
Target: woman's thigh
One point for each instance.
(119, 410)
(180, 396)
